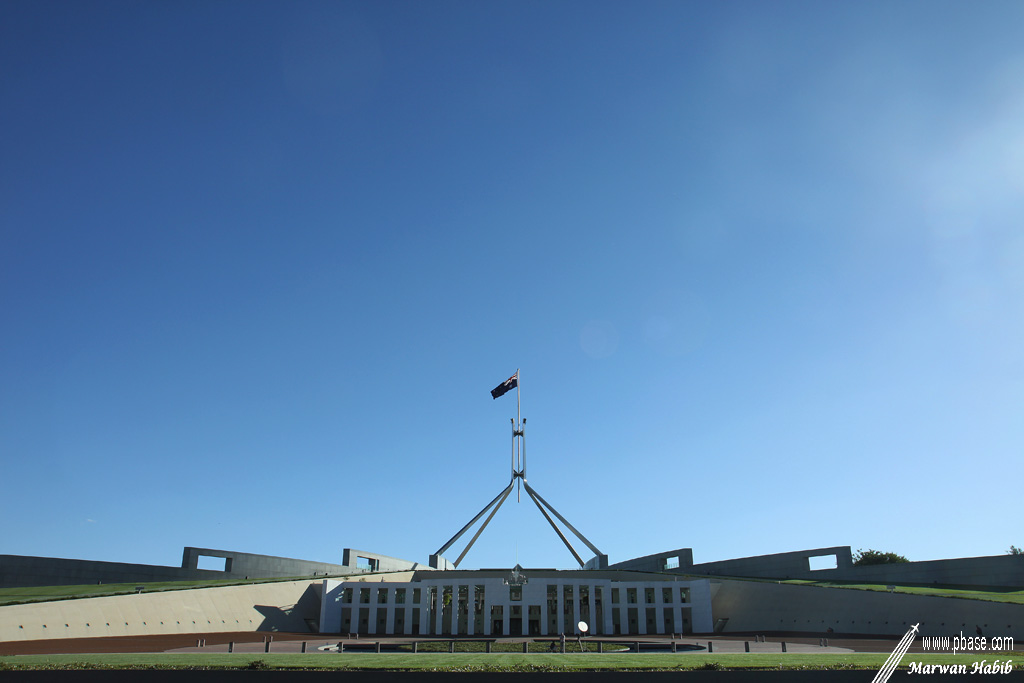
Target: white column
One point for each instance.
(389, 616)
(575, 608)
(544, 612)
(424, 609)
(593, 613)
(560, 588)
(440, 609)
(506, 612)
(371, 619)
(455, 609)
(488, 597)
(641, 609)
(471, 610)
(606, 601)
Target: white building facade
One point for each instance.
(538, 603)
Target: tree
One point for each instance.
(1014, 550)
(862, 558)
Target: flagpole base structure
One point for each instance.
(598, 561)
(438, 561)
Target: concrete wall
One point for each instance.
(978, 572)
(284, 606)
(657, 562)
(241, 565)
(758, 606)
(22, 570)
(791, 565)
(378, 562)
(992, 571)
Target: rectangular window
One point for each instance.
(649, 596)
(367, 564)
(478, 597)
(684, 595)
(666, 595)
(631, 596)
(585, 604)
(347, 596)
(416, 595)
(364, 596)
(399, 596)
(615, 596)
(515, 593)
(210, 563)
(497, 620)
(820, 562)
(382, 596)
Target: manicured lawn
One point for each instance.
(10, 596)
(479, 661)
(1014, 596)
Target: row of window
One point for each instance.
(515, 594)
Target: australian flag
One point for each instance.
(506, 386)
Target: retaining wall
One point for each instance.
(752, 606)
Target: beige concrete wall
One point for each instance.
(268, 607)
(282, 606)
(753, 606)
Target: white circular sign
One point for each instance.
(582, 626)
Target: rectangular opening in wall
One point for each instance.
(366, 564)
(822, 562)
(216, 564)
(672, 562)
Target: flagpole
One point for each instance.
(519, 428)
(522, 432)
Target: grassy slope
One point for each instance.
(10, 596)
(1010, 595)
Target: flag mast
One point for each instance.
(518, 431)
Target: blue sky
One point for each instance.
(761, 266)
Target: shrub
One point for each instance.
(863, 558)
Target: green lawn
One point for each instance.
(12, 596)
(455, 662)
(1009, 595)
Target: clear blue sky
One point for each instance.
(761, 265)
